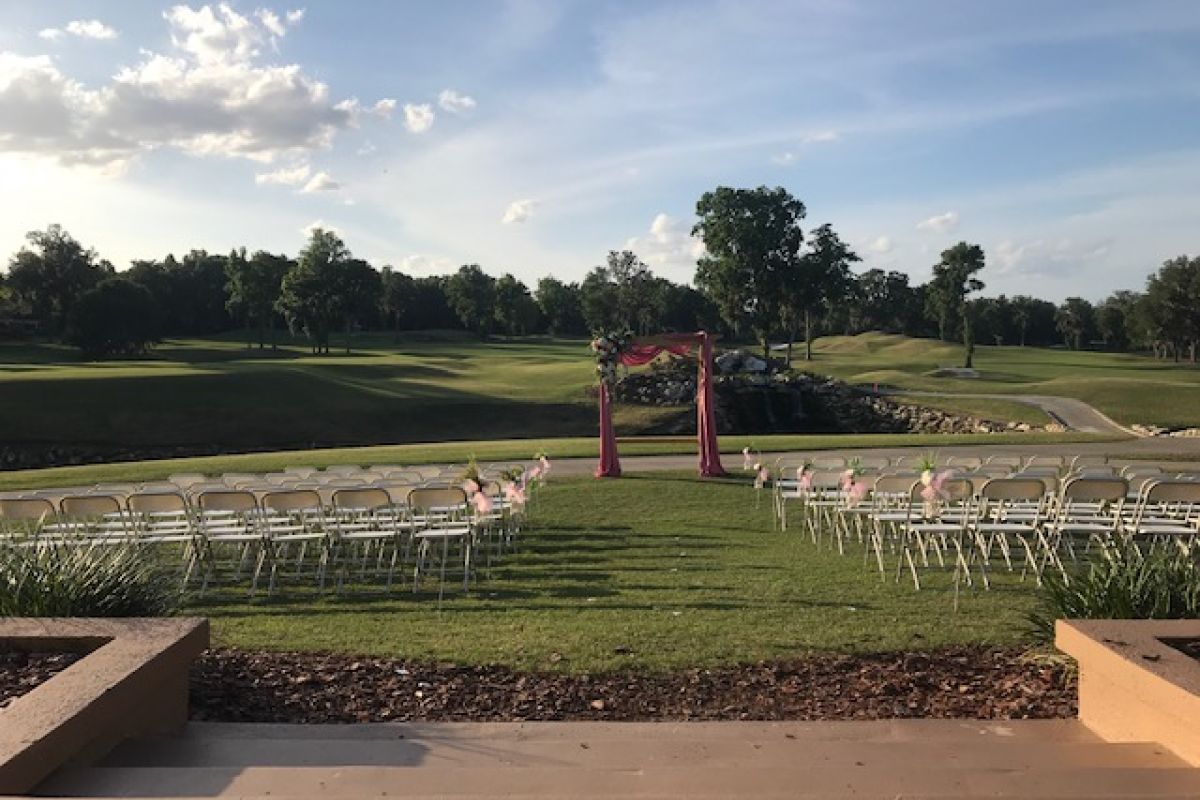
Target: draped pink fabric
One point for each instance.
(610, 463)
(642, 352)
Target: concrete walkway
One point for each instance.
(874, 759)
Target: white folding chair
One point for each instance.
(440, 515)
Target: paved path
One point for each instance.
(1126, 449)
(1074, 415)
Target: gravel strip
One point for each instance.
(963, 682)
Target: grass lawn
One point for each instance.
(500, 450)
(653, 570)
(1128, 388)
(447, 386)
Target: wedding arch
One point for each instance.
(635, 352)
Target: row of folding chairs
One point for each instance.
(232, 533)
(1020, 519)
(1012, 462)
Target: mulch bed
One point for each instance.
(1190, 647)
(22, 672)
(977, 683)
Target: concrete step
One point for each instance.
(891, 778)
(586, 752)
(889, 730)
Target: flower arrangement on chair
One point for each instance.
(472, 484)
(934, 492)
(608, 348)
(856, 491)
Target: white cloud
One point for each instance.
(424, 264)
(1041, 257)
(384, 108)
(518, 211)
(83, 28)
(287, 176)
(418, 118)
(211, 97)
(882, 245)
(321, 182)
(820, 137)
(668, 247)
(940, 223)
(455, 102)
(271, 21)
(784, 159)
(308, 229)
(294, 16)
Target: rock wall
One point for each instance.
(756, 397)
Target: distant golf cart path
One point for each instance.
(1074, 415)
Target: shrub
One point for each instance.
(118, 580)
(116, 317)
(1122, 584)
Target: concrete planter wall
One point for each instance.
(1133, 685)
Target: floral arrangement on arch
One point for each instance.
(608, 348)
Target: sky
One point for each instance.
(533, 136)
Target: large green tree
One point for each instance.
(472, 294)
(1172, 307)
(517, 313)
(622, 294)
(946, 295)
(311, 298)
(51, 272)
(818, 279)
(399, 299)
(115, 317)
(253, 286)
(752, 240)
(561, 306)
(1074, 320)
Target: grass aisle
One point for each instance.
(653, 570)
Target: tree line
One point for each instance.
(763, 277)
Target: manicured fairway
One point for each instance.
(1129, 388)
(656, 570)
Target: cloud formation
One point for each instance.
(321, 182)
(212, 96)
(668, 247)
(518, 211)
(418, 118)
(882, 245)
(286, 176)
(939, 223)
(83, 28)
(455, 103)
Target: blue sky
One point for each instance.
(532, 136)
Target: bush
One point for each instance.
(118, 580)
(116, 317)
(1123, 584)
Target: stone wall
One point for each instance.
(754, 396)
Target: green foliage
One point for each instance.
(52, 272)
(116, 317)
(120, 580)
(1075, 320)
(818, 280)
(1122, 584)
(253, 286)
(1171, 308)
(953, 279)
(517, 314)
(471, 292)
(561, 305)
(312, 295)
(752, 239)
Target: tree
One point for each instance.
(819, 278)
(115, 317)
(623, 294)
(953, 280)
(1074, 321)
(561, 306)
(52, 272)
(1116, 320)
(360, 290)
(752, 239)
(517, 314)
(472, 294)
(432, 309)
(310, 297)
(399, 299)
(1172, 306)
(253, 286)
